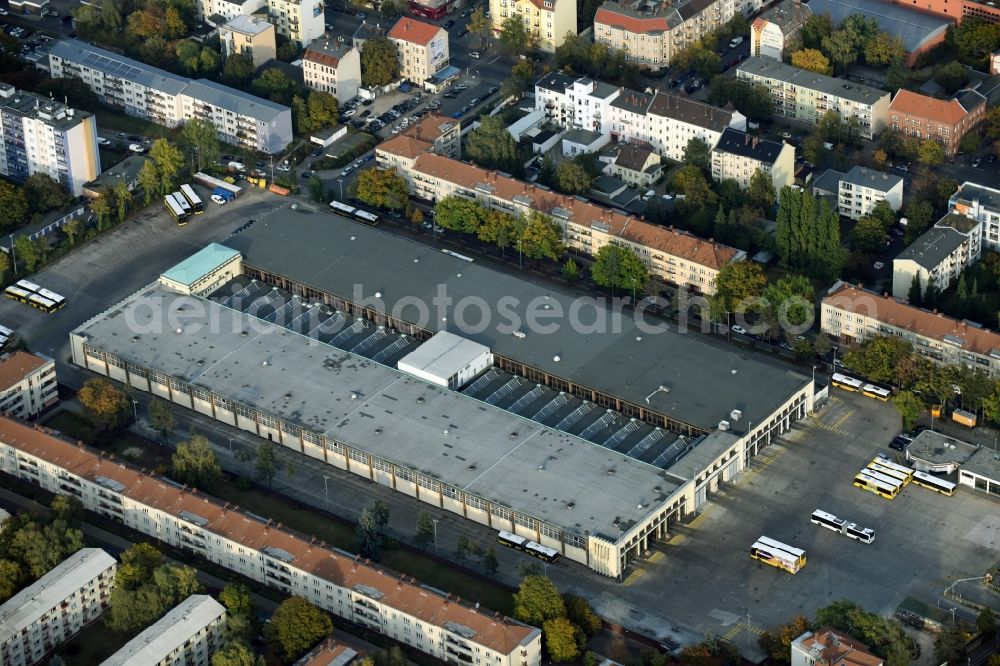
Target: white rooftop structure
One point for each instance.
(447, 360)
(170, 633)
(30, 604)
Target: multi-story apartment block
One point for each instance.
(636, 164)
(423, 48)
(807, 96)
(982, 204)
(945, 250)
(854, 315)
(153, 94)
(628, 118)
(433, 133)
(738, 155)
(248, 35)
(652, 33)
(859, 190)
(673, 256)
(301, 21)
(957, 11)
(226, 10)
(27, 384)
(332, 67)
(187, 635)
(675, 119)
(829, 647)
(248, 545)
(547, 21)
(944, 121)
(56, 606)
(777, 28)
(578, 103)
(43, 135)
(329, 653)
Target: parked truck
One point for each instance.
(964, 417)
(224, 193)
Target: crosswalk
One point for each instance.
(741, 628)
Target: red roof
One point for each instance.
(630, 23)
(15, 367)
(946, 112)
(412, 31)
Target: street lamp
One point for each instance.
(13, 257)
(326, 492)
(135, 411)
(340, 181)
(230, 446)
(520, 265)
(435, 521)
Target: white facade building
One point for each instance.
(674, 120)
(27, 384)
(187, 635)
(738, 155)
(52, 609)
(332, 67)
(941, 254)
(345, 586)
(227, 9)
(861, 189)
(43, 135)
(422, 48)
(301, 21)
(981, 204)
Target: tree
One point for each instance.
(619, 268)
(580, 613)
(194, 463)
(970, 143)
(807, 235)
(541, 238)
(951, 76)
(538, 600)
(316, 190)
(736, 285)
(383, 188)
(137, 565)
(237, 653)
(265, 466)
(199, 135)
(868, 235)
(26, 252)
(812, 60)
(915, 296)
(490, 562)
(697, 153)
(322, 110)
(491, 146)
(275, 85)
(986, 622)
(295, 627)
(238, 70)
(514, 37)
(841, 50)
(106, 404)
(499, 228)
(949, 645)
(123, 199)
(885, 636)
(761, 191)
(379, 62)
(44, 194)
(368, 535)
(169, 161)
(149, 181)
(571, 271)
(789, 302)
(572, 178)
(884, 49)
(161, 416)
(777, 642)
(479, 24)
(424, 534)
(753, 101)
(460, 214)
(132, 608)
(877, 358)
(690, 181)
(930, 152)
(816, 27)
(241, 620)
(11, 579)
(560, 640)
(13, 206)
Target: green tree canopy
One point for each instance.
(194, 463)
(200, 136)
(560, 640)
(106, 404)
(697, 153)
(812, 60)
(572, 178)
(13, 207)
(737, 283)
(807, 235)
(541, 237)
(295, 627)
(237, 653)
(930, 152)
(877, 358)
(161, 416)
(886, 637)
(537, 600)
(265, 465)
(379, 62)
(777, 642)
(238, 70)
(383, 188)
(761, 191)
(580, 613)
(44, 194)
(619, 268)
(131, 609)
(275, 85)
(515, 37)
(169, 162)
(460, 214)
(491, 146)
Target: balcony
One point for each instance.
(453, 657)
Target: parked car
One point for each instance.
(878, 265)
(137, 148)
(346, 171)
(102, 141)
(217, 199)
(449, 23)
(976, 162)
(476, 54)
(738, 329)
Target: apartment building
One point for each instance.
(739, 155)
(329, 653)
(861, 189)
(51, 610)
(673, 256)
(829, 647)
(957, 11)
(547, 21)
(777, 28)
(153, 94)
(187, 635)
(226, 10)
(301, 21)
(852, 314)
(981, 204)
(676, 119)
(944, 121)
(423, 48)
(248, 35)
(398, 607)
(945, 250)
(807, 96)
(332, 67)
(43, 135)
(636, 164)
(650, 34)
(27, 384)
(573, 102)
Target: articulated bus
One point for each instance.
(42, 303)
(883, 489)
(778, 554)
(176, 211)
(196, 204)
(15, 293)
(526, 545)
(370, 219)
(832, 522)
(876, 392)
(886, 461)
(903, 479)
(28, 286)
(342, 207)
(57, 300)
(845, 382)
(930, 482)
(883, 477)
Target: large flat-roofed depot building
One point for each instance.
(519, 448)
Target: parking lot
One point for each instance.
(705, 580)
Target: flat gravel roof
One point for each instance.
(554, 476)
(706, 378)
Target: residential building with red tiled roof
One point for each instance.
(829, 647)
(671, 255)
(547, 21)
(366, 594)
(944, 121)
(332, 67)
(27, 384)
(423, 48)
(651, 34)
(853, 314)
(329, 653)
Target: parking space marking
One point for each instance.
(846, 415)
(656, 557)
(632, 578)
(741, 628)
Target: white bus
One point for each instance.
(778, 554)
(885, 490)
(845, 382)
(341, 207)
(903, 479)
(196, 204)
(523, 544)
(28, 286)
(370, 218)
(886, 461)
(876, 392)
(828, 520)
(182, 202)
(885, 478)
(930, 482)
(862, 534)
(58, 300)
(176, 211)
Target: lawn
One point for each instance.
(110, 120)
(92, 645)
